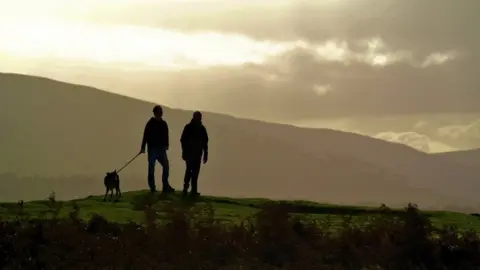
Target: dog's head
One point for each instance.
(111, 175)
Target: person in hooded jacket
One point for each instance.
(194, 141)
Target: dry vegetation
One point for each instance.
(188, 236)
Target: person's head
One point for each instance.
(197, 117)
(158, 111)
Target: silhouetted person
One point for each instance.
(155, 137)
(194, 142)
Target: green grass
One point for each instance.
(226, 209)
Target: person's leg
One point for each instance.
(152, 158)
(163, 159)
(187, 177)
(195, 167)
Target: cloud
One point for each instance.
(157, 48)
(148, 48)
(433, 25)
(470, 132)
(419, 131)
(429, 26)
(420, 124)
(357, 80)
(322, 90)
(438, 58)
(356, 86)
(415, 140)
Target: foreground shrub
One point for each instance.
(190, 238)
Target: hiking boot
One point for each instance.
(194, 194)
(168, 189)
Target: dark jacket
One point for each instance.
(155, 134)
(194, 140)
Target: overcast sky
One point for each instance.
(281, 60)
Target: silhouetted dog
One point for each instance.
(112, 181)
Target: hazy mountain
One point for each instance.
(469, 158)
(55, 129)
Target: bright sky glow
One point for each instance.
(129, 44)
(44, 32)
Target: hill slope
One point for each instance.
(466, 157)
(420, 169)
(469, 159)
(50, 128)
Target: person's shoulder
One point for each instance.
(163, 122)
(187, 125)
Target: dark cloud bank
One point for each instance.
(283, 88)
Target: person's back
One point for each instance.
(155, 137)
(194, 142)
(195, 139)
(156, 134)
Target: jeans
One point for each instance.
(160, 155)
(191, 173)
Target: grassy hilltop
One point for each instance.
(131, 208)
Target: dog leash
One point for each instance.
(128, 162)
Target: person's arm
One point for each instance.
(184, 137)
(205, 144)
(146, 134)
(183, 142)
(167, 139)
